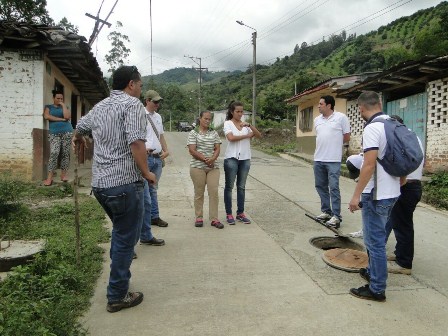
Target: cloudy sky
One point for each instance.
(207, 29)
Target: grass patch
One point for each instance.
(435, 192)
(48, 295)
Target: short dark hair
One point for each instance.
(232, 107)
(397, 118)
(123, 75)
(369, 99)
(55, 92)
(329, 100)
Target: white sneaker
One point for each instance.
(334, 222)
(356, 234)
(323, 216)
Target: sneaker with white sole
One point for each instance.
(393, 267)
(323, 216)
(356, 234)
(334, 222)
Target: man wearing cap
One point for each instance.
(157, 150)
(118, 127)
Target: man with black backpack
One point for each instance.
(377, 192)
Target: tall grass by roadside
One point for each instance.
(48, 295)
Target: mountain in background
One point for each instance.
(408, 38)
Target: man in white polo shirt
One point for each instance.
(332, 131)
(378, 192)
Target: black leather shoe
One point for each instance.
(365, 293)
(159, 222)
(153, 241)
(363, 273)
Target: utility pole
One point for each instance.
(254, 68)
(198, 61)
(97, 30)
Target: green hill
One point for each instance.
(408, 38)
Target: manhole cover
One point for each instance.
(328, 243)
(346, 259)
(18, 252)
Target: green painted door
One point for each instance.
(413, 111)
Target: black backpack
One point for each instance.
(403, 152)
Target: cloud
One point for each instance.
(207, 28)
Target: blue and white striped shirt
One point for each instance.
(114, 123)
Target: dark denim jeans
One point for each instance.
(124, 206)
(155, 166)
(375, 214)
(402, 222)
(146, 233)
(235, 169)
(326, 179)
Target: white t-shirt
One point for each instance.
(329, 136)
(237, 149)
(152, 142)
(417, 174)
(374, 138)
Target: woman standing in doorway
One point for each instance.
(204, 146)
(60, 135)
(237, 160)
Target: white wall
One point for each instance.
(20, 110)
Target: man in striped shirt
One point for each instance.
(118, 127)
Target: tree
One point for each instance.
(64, 23)
(119, 52)
(30, 11)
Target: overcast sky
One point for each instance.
(207, 29)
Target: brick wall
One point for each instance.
(356, 124)
(21, 104)
(437, 126)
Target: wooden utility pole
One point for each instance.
(96, 30)
(198, 61)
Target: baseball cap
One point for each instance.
(354, 163)
(153, 95)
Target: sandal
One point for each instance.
(217, 224)
(47, 183)
(199, 222)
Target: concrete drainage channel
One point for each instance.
(341, 253)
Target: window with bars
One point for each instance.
(306, 119)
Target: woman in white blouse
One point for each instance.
(237, 160)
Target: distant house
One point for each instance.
(417, 91)
(34, 60)
(307, 107)
(220, 116)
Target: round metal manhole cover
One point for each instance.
(346, 259)
(328, 243)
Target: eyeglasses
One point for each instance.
(156, 101)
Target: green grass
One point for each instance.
(48, 295)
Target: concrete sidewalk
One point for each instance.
(266, 278)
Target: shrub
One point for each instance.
(435, 192)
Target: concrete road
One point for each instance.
(266, 278)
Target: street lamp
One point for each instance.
(254, 67)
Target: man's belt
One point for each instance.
(150, 152)
(413, 181)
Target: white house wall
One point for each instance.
(20, 111)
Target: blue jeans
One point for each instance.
(402, 222)
(155, 166)
(146, 233)
(124, 206)
(235, 169)
(375, 215)
(326, 179)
